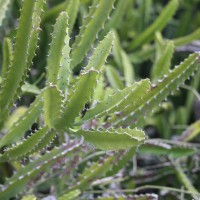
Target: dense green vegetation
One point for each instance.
(96, 100)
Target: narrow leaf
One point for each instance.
(29, 197)
(191, 132)
(56, 47)
(52, 105)
(187, 39)
(87, 79)
(128, 69)
(113, 139)
(97, 169)
(162, 65)
(160, 148)
(159, 92)
(7, 56)
(64, 72)
(4, 5)
(117, 16)
(50, 15)
(98, 15)
(119, 100)
(185, 180)
(114, 78)
(121, 161)
(35, 142)
(70, 195)
(72, 10)
(24, 49)
(158, 25)
(23, 124)
(18, 181)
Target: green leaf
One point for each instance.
(87, 79)
(142, 55)
(113, 139)
(30, 89)
(99, 93)
(13, 118)
(163, 63)
(123, 61)
(56, 47)
(116, 50)
(69, 6)
(4, 5)
(34, 36)
(128, 69)
(122, 160)
(35, 142)
(64, 72)
(160, 148)
(114, 78)
(97, 169)
(7, 56)
(119, 100)
(70, 195)
(50, 15)
(159, 44)
(117, 16)
(157, 25)
(191, 132)
(145, 12)
(132, 197)
(26, 43)
(72, 10)
(158, 92)
(185, 180)
(24, 123)
(29, 197)
(19, 180)
(188, 107)
(188, 38)
(86, 21)
(91, 26)
(52, 105)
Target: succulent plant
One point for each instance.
(69, 102)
